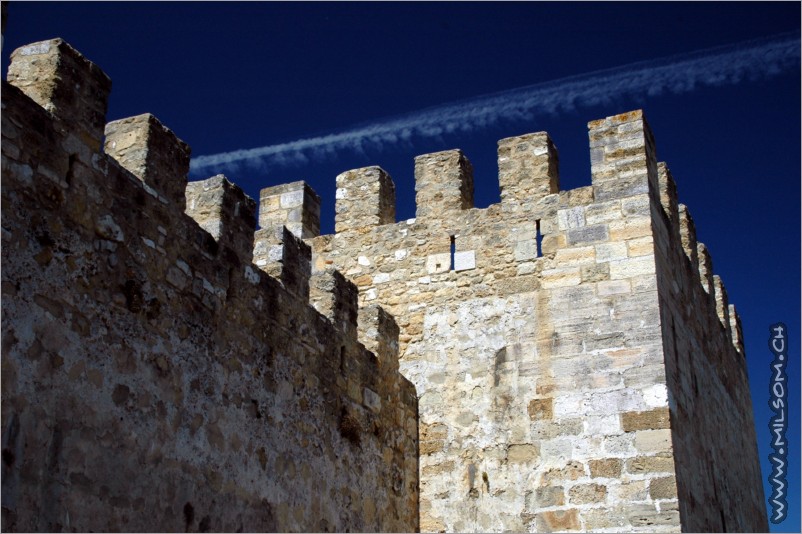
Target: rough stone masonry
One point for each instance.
(572, 363)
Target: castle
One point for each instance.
(561, 360)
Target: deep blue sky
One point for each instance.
(242, 75)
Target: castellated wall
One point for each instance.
(554, 338)
(153, 377)
(575, 361)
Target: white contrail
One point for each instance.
(725, 65)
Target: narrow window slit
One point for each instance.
(539, 239)
(453, 250)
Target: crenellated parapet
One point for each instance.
(365, 198)
(528, 168)
(152, 153)
(335, 297)
(191, 372)
(443, 184)
(622, 156)
(226, 212)
(58, 78)
(295, 206)
(285, 257)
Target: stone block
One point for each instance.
(540, 409)
(632, 267)
(653, 441)
(526, 250)
(613, 287)
(464, 260)
(587, 234)
(523, 453)
(663, 488)
(571, 218)
(546, 496)
(647, 515)
(587, 493)
(558, 520)
(650, 420)
(650, 464)
(438, 263)
(606, 468)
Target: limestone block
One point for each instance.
(571, 218)
(464, 260)
(632, 267)
(650, 420)
(558, 521)
(606, 468)
(663, 488)
(653, 441)
(587, 493)
(587, 234)
(438, 263)
(650, 464)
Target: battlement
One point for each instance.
(152, 153)
(58, 78)
(163, 298)
(294, 205)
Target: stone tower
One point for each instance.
(577, 363)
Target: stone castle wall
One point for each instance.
(535, 333)
(576, 364)
(153, 378)
(711, 418)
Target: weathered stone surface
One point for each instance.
(522, 453)
(651, 420)
(295, 206)
(365, 198)
(544, 336)
(654, 464)
(154, 379)
(587, 493)
(528, 168)
(152, 152)
(540, 409)
(558, 521)
(58, 78)
(663, 488)
(607, 468)
(562, 353)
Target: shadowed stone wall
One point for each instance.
(153, 377)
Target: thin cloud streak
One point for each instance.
(728, 65)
